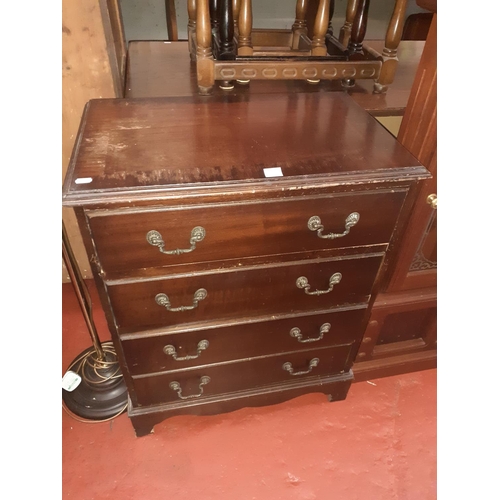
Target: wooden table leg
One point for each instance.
(299, 26)
(318, 45)
(204, 57)
(245, 20)
(236, 15)
(226, 35)
(171, 20)
(226, 30)
(191, 28)
(345, 31)
(331, 11)
(358, 29)
(389, 54)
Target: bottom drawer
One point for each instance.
(242, 375)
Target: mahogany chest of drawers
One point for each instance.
(237, 243)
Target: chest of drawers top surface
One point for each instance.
(152, 147)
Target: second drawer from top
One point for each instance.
(297, 287)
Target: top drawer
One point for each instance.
(130, 240)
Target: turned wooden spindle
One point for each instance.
(236, 14)
(345, 31)
(173, 32)
(191, 28)
(389, 54)
(299, 27)
(214, 18)
(358, 30)
(331, 12)
(318, 46)
(226, 30)
(204, 56)
(226, 33)
(245, 20)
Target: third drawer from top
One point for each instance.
(181, 348)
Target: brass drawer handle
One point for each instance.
(314, 224)
(154, 238)
(296, 333)
(163, 300)
(175, 386)
(288, 367)
(303, 283)
(171, 351)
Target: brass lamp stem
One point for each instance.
(81, 291)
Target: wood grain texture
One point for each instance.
(87, 73)
(129, 143)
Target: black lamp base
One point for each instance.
(102, 393)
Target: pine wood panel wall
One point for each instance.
(93, 52)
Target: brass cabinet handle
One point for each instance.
(288, 367)
(171, 351)
(296, 333)
(175, 386)
(432, 200)
(303, 283)
(155, 238)
(163, 300)
(314, 224)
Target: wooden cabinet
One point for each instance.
(401, 336)
(237, 243)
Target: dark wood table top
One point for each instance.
(164, 69)
(139, 145)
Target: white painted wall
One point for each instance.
(145, 19)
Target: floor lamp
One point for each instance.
(93, 385)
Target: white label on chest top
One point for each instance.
(273, 172)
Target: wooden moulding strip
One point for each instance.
(395, 365)
(295, 70)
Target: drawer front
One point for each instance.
(197, 383)
(237, 231)
(243, 293)
(202, 347)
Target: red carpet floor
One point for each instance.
(378, 444)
